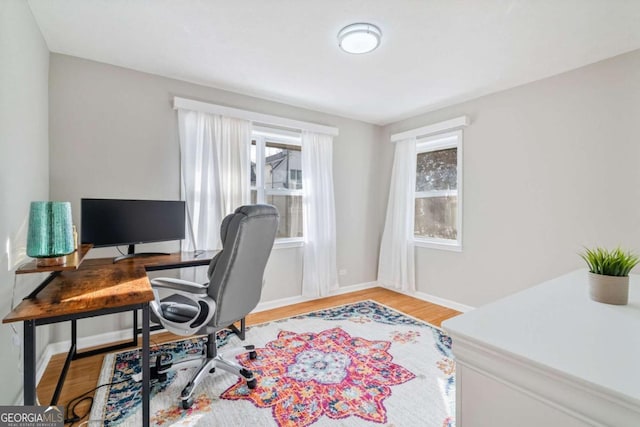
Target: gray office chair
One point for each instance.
(234, 288)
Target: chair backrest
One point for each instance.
(236, 273)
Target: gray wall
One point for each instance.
(24, 168)
(114, 134)
(548, 167)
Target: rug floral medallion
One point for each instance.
(355, 365)
(353, 375)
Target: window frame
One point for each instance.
(261, 136)
(441, 141)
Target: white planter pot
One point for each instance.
(609, 289)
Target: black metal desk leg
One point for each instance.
(146, 375)
(135, 328)
(29, 360)
(74, 333)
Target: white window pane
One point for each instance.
(283, 166)
(253, 154)
(290, 209)
(276, 178)
(436, 217)
(437, 170)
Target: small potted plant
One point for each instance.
(609, 274)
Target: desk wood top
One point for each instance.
(72, 262)
(99, 283)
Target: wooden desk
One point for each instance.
(97, 287)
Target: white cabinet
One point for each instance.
(549, 356)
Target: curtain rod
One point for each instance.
(431, 129)
(267, 119)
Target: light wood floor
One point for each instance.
(83, 373)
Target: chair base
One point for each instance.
(207, 365)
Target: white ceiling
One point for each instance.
(433, 53)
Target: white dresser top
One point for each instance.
(556, 326)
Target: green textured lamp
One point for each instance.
(50, 235)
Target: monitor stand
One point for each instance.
(131, 253)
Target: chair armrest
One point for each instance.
(179, 285)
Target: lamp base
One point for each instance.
(51, 261)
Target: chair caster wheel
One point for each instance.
(253, 355)
(186, 404)
(251, 384)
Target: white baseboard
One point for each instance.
(18, 401)
(277, 303)
(268, 305)
(354, 288)
(91, 341)
(437, 300)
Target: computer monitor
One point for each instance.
(115, 222)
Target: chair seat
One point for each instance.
(177, 312)
(177, 308)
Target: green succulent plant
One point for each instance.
(614, 262)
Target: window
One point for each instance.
(438, 192)
(276, 178)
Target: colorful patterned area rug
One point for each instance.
(360, 364)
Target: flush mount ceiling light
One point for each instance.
(359, 38)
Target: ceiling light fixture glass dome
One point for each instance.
(359, 38)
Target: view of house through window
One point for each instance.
(437, 216)
(276, 179)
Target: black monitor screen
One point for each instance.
(112, 222)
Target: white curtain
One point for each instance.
(319, 267)
(396, 267)
(214, 153)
